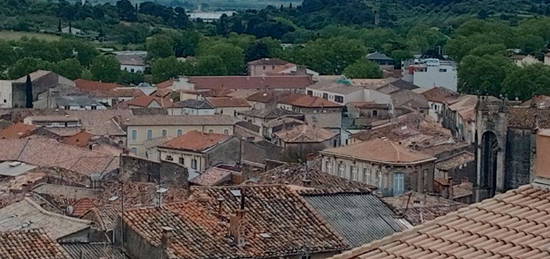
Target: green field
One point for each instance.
(16, 35)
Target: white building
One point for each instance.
(132, 61)
(6, 94)
(429, 73)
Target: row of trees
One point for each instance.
(483, 49)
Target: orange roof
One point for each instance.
(305, 134)
(510, 225)
(165, 84)
(93, 86)
(302, 100)
(18, 130)
(81, 139)
(195, 141)
(439, 94)
(146, 100)
(380, 150)
(227, 102)
(278, 223)
(82, 206)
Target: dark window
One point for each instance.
(442, 70)
(325, 96)
(182, 160)
(169, 158)
(194, 163)
(339, 99)
(309, 92)
(94, 107)
(375, 113)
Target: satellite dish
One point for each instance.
(162, 190)
(114, 198)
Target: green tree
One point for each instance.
(165, 68)
(489, 49)
(232, 57)
(210, 66)
(126, 11)
(25, 66)
(525, 82)
(69, 68)
(363, 69)
(105, 68)
(85, 53)
(160, 46)
(328, 56)
(484, 75)
(8, 55)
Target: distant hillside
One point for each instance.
(212, 4)
(319, 13)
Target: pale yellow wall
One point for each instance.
(187, 156)
(171, 132)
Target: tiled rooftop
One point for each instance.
(305, 134)
(195, 141)
(18, 130)
(46, 152)
(510, 225)
(380, 150)
(250, 82)
(27, 214)
(30, 244)
(92, 251)
(221, 102)
(159, 120)
(307, 101)
(277, 223)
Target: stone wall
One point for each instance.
(135, 169)
(228, 152)
(518, 158)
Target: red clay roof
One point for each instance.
(305, 134)
(308, 101)
(93, 86)
(439, 94)
(81, 139)
(510, 225)
(269, 61)
(250, 82)
(220, 102)
(30, 244)
(146, 100)
(195, 141)
(165, 84)
(277, 223)
(380, 150)
(18, 130)
(82, 206)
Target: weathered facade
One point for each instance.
(505, 144)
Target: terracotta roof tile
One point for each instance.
(380, 150)
(143, 101)
(47, 152)
(81, 139)
(30, 244)
(439, 94)
(212, 176)
(251, 82)
(277, 223)
(302, 100)
(266, 97)
(94, 86)
(18, 130)
(268, 61)
(180, 120)
(165, 84)
(221, 102)
(195, 141)
(305, 134)
(82, 206)
(510, 225)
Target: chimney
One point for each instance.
(542, 163)
(236, 221)
(166, 238)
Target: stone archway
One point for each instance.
(489, 157)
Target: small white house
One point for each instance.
(429, 73)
